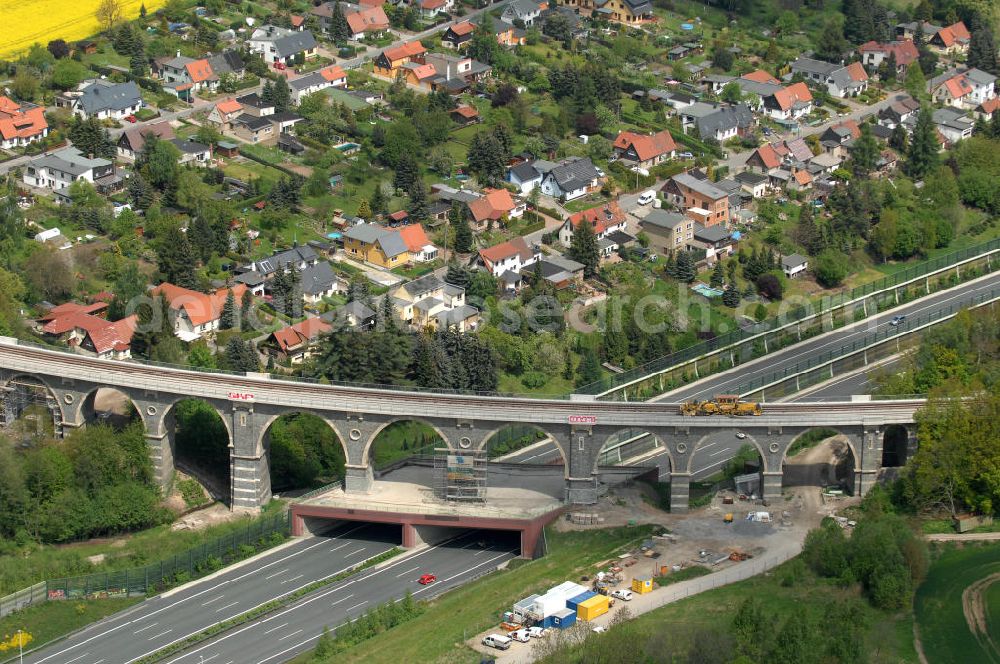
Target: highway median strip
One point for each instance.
(264, 609)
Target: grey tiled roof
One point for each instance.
(318, 278)
(392, 244)
(725, 118)
(294, 43)
(703, 187)
(574, 174)
(102, 96)
(663, 219)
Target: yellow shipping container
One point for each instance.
(593, 607)
(642, 584)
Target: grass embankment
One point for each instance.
(438, 634)
(23, 566)
(942, 612)
(51, 620)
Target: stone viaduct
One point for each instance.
(248, 405)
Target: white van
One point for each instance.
(521, 635)
(497, 641)
(647, 197)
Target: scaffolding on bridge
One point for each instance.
(460, 477)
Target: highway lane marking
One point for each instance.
(338, 548)
(145, 628)
(213, 600)
(159, 635)
(348, 610)
(880, 320)
(223, 608)
(455, 576)
(273, 629)
(252, 572)
(319, 596)
(294, 578)
(70, 661)
(715, 454)
(99, 661)
(275, 574)
(288, 636)
(344, 599)
(209, 659)
(408, 571)
(354, 553)
(712, 465)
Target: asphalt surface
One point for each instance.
(283, 635)
(165, 619)
(847, 385)
(728, 381)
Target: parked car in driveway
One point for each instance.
(647, 197)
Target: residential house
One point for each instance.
(389, 62)
(322, 79)
(909, 30)
(277, 44)
(193, 153)
(296, 343)
(794, 265)
(790, 103)
(837, 137)
(495, 205)
(988, 109)
(464, 114)
(89, 334)
(58, 170)
(716, 240)
(417, 243)
(525, 11)
(724, 122)
(899, 112)
(873, 54)
(253, 128)
(511, 256)
(431, 8)
(428, 302)
(603, 219)
(133, 139)
(560, 271)
(668, 232)
(761, 76)
(674, 101)
(840, 80)
(183, 76)
(963, 88)
(953, 124)
(951, 40)
(690, 192)
(458, 35)
(194, 314)
(228, 62)
(367, 22)
(20, 124)
(253, 104)
(102, 100)
(353, 314)
(754, 184)
(528, 174)
(223, 115)
(316, 278)
(377, 245)
(645, 150)
(571, 178)
(628, 12)
(763, 160)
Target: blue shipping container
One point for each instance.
(576, 601)
(563, 619)
(548, 621)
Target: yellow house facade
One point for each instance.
(374, 244)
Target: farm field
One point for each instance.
(44, 20)
(956, 607)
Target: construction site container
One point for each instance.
(555, 599)
(564, 619)
(574, 602)
(593, 607)
(642, 584)
(523, 608)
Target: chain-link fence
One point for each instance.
(828, 304)
(197, 561)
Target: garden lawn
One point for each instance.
(938, 606)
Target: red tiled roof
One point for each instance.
(497, 253)
(803, 177)
(72, 308)
(463, 28)
(466, 111)
(768, 156)
(23, 124)
(369, 18)
(600, 217)
(787, 97)
(424, 71)
(8, 105)
(334, 73)
(199, 70)
(104, 335)
(299, 333)
(493, 205)
(646, 146)
(958, 86)
(761, 76)
(403, 51)
(136, 136)
(852, 125)
(432, 4)
(905, 51)
(956, 32)
(857, 72)
(990, 106)
(199, 307)
(296, 20)
(414, 237)
(229, 106)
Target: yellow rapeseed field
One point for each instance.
(28, 21)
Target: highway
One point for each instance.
(286, 633)
(728, 381)
(171, 617)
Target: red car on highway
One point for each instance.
(427, 579)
